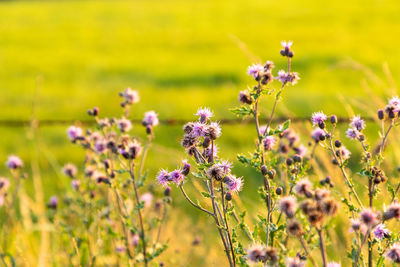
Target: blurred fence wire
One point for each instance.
(166, 122)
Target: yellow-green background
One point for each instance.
(181, 55)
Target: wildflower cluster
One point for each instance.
(110, 196)
(199, 141)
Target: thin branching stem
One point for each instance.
(227, 224)
(192, 203)
(142, 233)
(322, 248)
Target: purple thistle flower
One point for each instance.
(395, 102)
(74, 132)
(318, 118)
(317, 134)
(120, 249)
(394, 253)
(301, 150)
(352, 133)
(255, 70)
(256, 253)
(150, 119)
(163, 177)
(75, 184)
(124, 125)
(186, 167)
(263, 129)
(303, 188)
(286, 45)
(344, 153)
(135, 238)
(225, 165)
(204, 114)
(291, 136)
(131, 96)
(285, 77)
(357, 225)
(381, 231)
(176, 176)
(357, 123)
(295, 262)
(53, 202)
(269, 142)
(368, 217)
(100, 146)
(393, 211)
(288, 206)
(104, 122)
(4, 184)
(147, 198)
(214, 150)
(198, 129)
(214, 130)
(14, 162)
(70, 170)
(334, 264)
(233, 183)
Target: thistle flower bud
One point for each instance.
(369, 218)
(53, 203)
(288, 206)
(289, 161)
(338, 143)
(381, 114)
(206, 142)
(93, 112)
(297, 158)
(333, 119)
(264, 170)
(167, 191)
(304, 188)
(294, 228)
(271, 173)
(14, 162)
(186, 168)
(70, 170)
(149, 129)
(107, 164)
(245, 98)
(279, 190)
(393, 211)
(393, 253)
(228, 196)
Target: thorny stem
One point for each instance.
(322, 247)
(261, 149)
(210, 188)
(226, 224)
(142, 234)
(162, 220)
(340, 164)
(211, 191)
(192, 203)
(370, 194)
(122, 216)
(360, 248)
(307, 250)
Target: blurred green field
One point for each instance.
(181, 55)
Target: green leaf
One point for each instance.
(205, 194)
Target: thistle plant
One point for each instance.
(278, 154)
(111, 207)
(215, 174)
